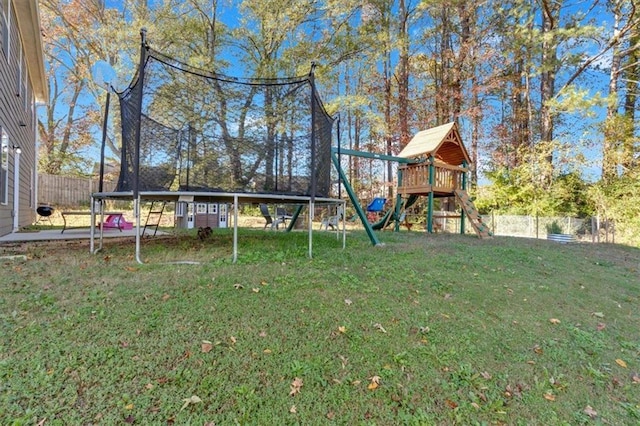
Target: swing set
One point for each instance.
(434, 164)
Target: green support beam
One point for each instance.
(373, 155)
(432, 179)
(294, 218)
(354, 199)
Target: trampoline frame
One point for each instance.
(234, 198)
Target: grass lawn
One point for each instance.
(434, 330)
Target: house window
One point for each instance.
(4, 27)
(4, 167)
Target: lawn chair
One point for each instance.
(264, 209)
(332, 221)
(282, 215)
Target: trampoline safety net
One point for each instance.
(202, 131)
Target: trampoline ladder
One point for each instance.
(154, 216)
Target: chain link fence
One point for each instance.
(589, 229)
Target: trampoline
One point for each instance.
(195, 136)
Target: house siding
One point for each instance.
(18, 121)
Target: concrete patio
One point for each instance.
(69, 234)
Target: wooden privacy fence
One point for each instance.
(68, 191)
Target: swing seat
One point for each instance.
(377, 205)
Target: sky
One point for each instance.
(577, 127)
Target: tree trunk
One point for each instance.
(611, 141)
(632, 76)
(549, 63)
(403, 76)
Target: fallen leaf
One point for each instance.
(342, 329)
(331, 415)
(192, 400)
(255, 290)
(485, 375)
(549, 396)
(475, 405)
(206, 346)
(344, 361)
(267, 351)
(41, 422)
(447, 296)
(635, 378)
(451, 404)
(263, 334)
(130, 419)
(166, 297)
(293, 409)
(233, 340)
(348, 301)
(601, 326)
(263, 282)
(130, 268)
(589, 411)
(380, 327)
(554, 321)
(375, 382)
(598, 314)
(621, 363)
(537, 349)
(128, 407)
(356, 382)
(149, 386)
(295, 386)
(238, 286)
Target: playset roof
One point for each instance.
(443, 142)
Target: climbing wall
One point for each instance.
(472, 213)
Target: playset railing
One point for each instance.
(416, 178)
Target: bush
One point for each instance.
(554, 228)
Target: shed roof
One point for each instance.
(443, 142)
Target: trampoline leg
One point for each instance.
(136, 214)
(92, 231)
(235, 229)
(311, 206)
